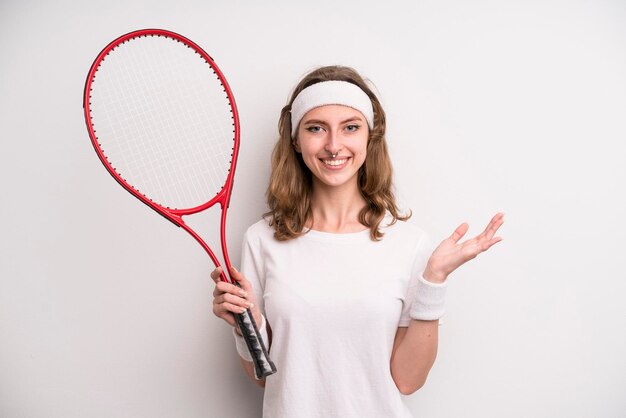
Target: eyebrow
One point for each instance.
(319, 121)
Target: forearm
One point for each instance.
(415, 355)
(415, 352)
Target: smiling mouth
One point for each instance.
(335, 162)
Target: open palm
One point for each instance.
(451, 253)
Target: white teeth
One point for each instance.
(335, 162)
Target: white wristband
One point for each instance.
(240, 342)
(428, 300)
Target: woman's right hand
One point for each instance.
(229, 299)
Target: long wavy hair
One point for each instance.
(290, 187)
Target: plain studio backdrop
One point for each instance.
(513, 106)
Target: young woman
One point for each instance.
(348, 293)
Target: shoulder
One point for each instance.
(405, 231)
(408, 236)
(259, 232)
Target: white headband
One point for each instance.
(332, 92)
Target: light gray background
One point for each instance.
(514, 106)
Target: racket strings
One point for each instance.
(163, 121)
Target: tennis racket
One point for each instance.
(164, 123)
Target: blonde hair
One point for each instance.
(290, 187)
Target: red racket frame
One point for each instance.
(173, 215)
(262, 363)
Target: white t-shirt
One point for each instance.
(334, 303)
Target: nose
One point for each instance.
(333, 145)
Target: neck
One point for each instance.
(336, 209)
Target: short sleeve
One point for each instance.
(422, 253)
(252, 266)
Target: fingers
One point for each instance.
(229, 298)
(491, 243)
(491, 229)
(486, 239)
(496, 222)
(215, 274)
(498, 216)
(240, 279)
(226, 304)
(232, 303)
(459, 232)
(225, 287)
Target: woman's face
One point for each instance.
(333, 130)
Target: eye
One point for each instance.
(352, 128)
(313, 128)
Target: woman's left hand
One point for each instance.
(451, 254)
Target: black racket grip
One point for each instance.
(263, 365)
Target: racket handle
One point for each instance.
(263, 365)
